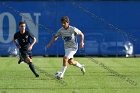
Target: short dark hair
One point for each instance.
(65, 19)
(22, 22)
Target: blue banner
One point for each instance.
(110, 28)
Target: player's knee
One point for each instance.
(70, 62)
(28, 60)
(65, 59)
(28, 63)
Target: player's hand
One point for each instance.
(48, 45)
(30, 48)
(81, 44)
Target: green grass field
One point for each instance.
(103, 75)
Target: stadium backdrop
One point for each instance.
(104, 24)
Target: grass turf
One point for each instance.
(103, 75)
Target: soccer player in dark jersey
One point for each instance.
(24, 40)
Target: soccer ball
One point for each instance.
(58, 75)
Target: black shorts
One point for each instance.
(25, 54)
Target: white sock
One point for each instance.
(63, 70)
(78, 65)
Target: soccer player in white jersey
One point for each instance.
(69, 34)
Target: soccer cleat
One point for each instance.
(59, 75)
(83, 70)
(37, 76)
(20, 60)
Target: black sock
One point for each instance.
(31, 66)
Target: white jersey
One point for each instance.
(69, 36)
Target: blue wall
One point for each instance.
(103, 23)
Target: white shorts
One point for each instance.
(69, 52)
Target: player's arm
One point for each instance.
(53, 40)
(82, 40)
(77, 31)
(16, 42)
(32, 44)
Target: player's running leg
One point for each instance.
(20, 58)
(64, 67)
(77, 64)
(31, 66)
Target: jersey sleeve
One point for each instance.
(58, 32)
(15, 36)
(77, 31)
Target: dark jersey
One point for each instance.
(24, 40)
